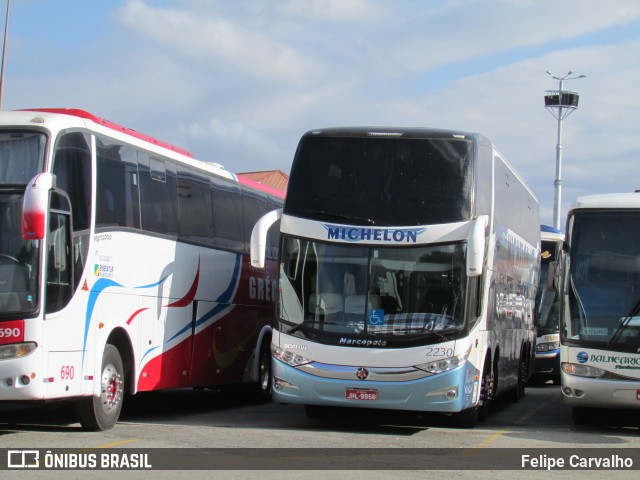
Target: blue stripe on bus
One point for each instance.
(223, 300)
(96, 290)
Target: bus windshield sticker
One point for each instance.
(376, 317)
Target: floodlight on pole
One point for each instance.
(4, 51)
(560, 103)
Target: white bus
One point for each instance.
(124, 267)
(547, 365)
(409, 263)
(600, 334)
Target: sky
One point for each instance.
(238, 82)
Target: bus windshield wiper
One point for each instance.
(425, 330)
(349, 219)
(307, 323)
(623, 324)
(416, 329)
(295, 328)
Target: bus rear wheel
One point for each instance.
(102, 412)
(523, 369)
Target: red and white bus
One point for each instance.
(124, 267)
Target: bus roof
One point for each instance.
(608, 200)
(550, 233)
(76, 112)
(184, 155)
(393, 132)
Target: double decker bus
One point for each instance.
(600, 310)
(408, 270)
(547, 365)
(124, 267)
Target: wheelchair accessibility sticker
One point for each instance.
(376, 317)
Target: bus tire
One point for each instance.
(102, 412)
(581, 415)
(260, 392)
(523, 372)
(467, 418)
(486, 392)
(317, 412)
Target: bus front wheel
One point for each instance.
(259, 392)
(102, 412)
(263, 388)
(467, 418)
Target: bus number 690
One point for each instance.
(67, 372)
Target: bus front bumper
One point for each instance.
(596, 392)
(445, 392)
(547, 365)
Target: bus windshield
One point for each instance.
(18, 258)
(547, 301)
(603, 287)
(328, 291)
(381, 181)
(21, 158)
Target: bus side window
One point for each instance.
(227, 214)
(59, 264)
(194, 206)
(254, 206)
(72, 168)
(158, 194)
(117, 197)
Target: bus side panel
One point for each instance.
(515, 276)
(65, 374)
(223, 350)
(67, 368)
(227, 333)
(483, 173)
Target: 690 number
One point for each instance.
(67, 372)
(10, 332)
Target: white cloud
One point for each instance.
(234, 144)
(208, 38)
(471, 30)
(239, 82)
(340, 11)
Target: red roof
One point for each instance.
(273, 178)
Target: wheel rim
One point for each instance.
(265, 373)
(110, 389)
(486, 388)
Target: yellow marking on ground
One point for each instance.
(117, 444)
(527, 415)
(490, 439)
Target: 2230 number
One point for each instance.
(439, 352)
(67, 372)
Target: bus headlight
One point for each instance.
(547, 346)
(290, 358)
(582, 370)
(444, 364)
(16, 350)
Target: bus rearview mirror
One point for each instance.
(34, 207)
(259, 237)
(476, 246)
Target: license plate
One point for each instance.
(361, 394)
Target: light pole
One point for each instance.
(4, 51)
(560, 103)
